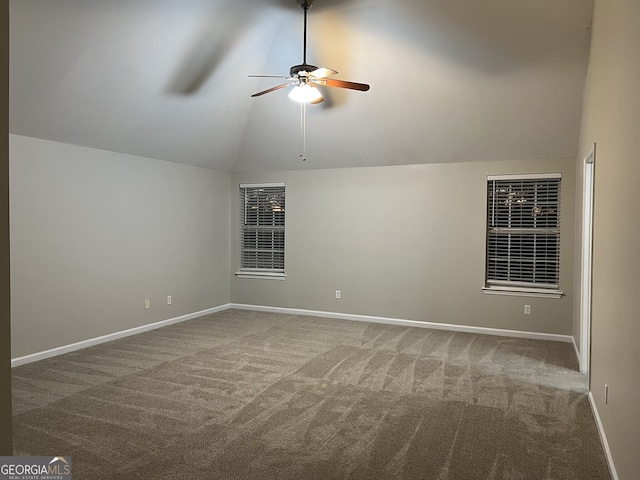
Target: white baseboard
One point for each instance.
(603, 438)
(34, 357)
(408, 323)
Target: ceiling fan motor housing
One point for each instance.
(306, 4)
(296, 69)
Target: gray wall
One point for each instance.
(611, 119)
(94, 233)
(403, 242)
(5, 335)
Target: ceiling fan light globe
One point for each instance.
(305, 93)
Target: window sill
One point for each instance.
(262, 275)
(523, 292)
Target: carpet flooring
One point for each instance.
(247, 395)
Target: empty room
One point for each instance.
(321, 239)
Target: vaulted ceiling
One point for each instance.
(451, 80)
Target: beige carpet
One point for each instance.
(245, 395)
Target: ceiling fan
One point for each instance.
(305, 77)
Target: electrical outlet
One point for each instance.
(337, 293)
(169, 300)
(527, 309)
(606, 394)
(147, 303)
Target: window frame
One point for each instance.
(520, 288)
(244, 271)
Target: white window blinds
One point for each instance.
(262, 218)
(523, 231)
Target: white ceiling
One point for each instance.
(451, 80)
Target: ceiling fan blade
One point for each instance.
(332, 82)
(272, 89)
(269, 76)
(322, 72)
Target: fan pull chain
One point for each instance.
(303, 131)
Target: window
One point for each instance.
(523, 233)
(262, 213)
